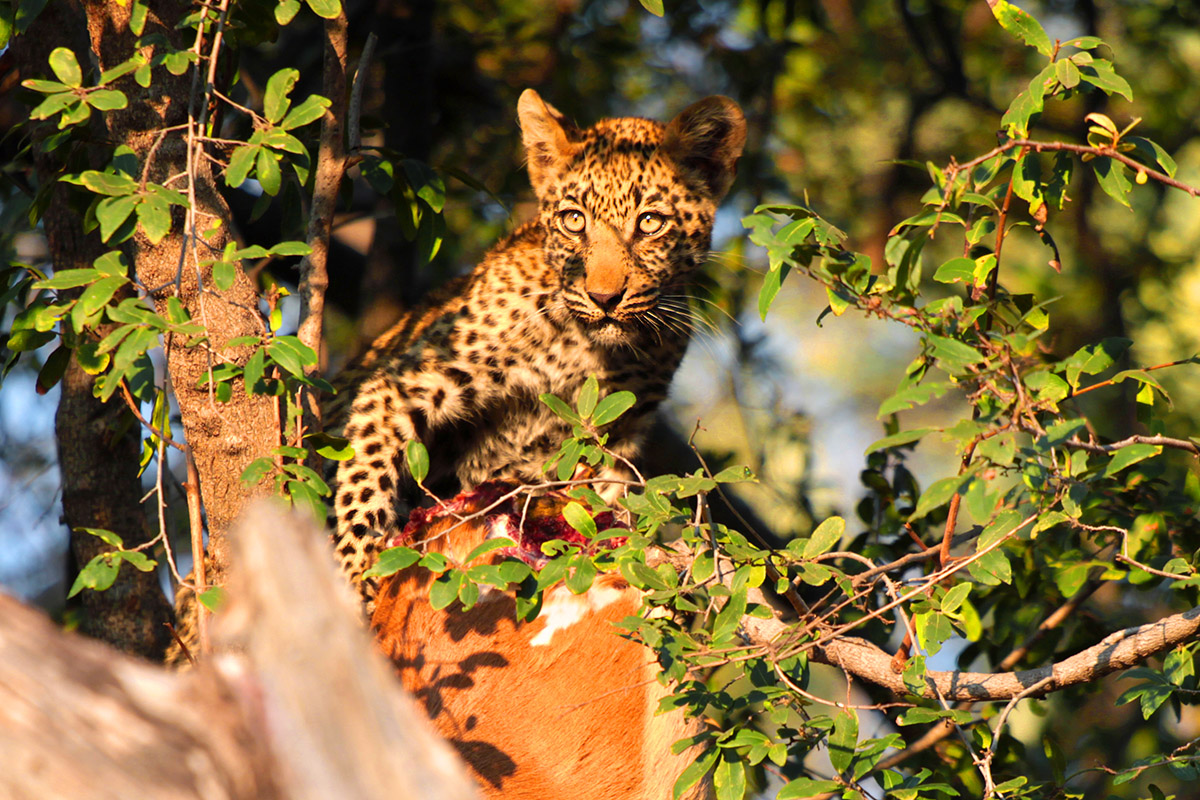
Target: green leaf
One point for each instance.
(953, 354)
(427, 184)
(1111, 176)
(897, 439)
(285, 12)
(68, 279)
(1004, 524)
(655, 7)
(444, 590)
(98, 574)
(580, 578)
(282, 140)
(111, 263)
(1100, 73)
(106, 183)
(735, 474)
(327, 9)
(392, 561)
(106, 536)
(255, 367)
(694, 772)
(1047, 387)
(224, 274)
(106, 99)
(137, 17)
(212, 598)
(488, 546)
(729, 778)
(48, 87)
(991, 569)
(1130, 455)
(1152, 152)
(1027, 104)
(256, 470)
(955, 597)
(335, 448)
(938, 494)
(275, 98)
(578, 518)
(912, 396)
(66, 68)
(52, 105)
(843, 740)
(291, 354)
(589, 393)
(914, 675)
(111, 212)
(770, 288)
(612, 407)
(139, 560)
(730, 616)
(561, 409)
(311, 110)
(1022, 25)
(75, 114)
(291, 249)
(418, 460)
(825, 537)
(266, 169)
(89, 360)
(955, 270)
(154, 214)
(240, 164)
(1066, 72)
(932, 629)
(802, 788)
(99, 293)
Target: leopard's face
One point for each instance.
(624, 230)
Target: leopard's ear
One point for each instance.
(706, 139)
(547, 136)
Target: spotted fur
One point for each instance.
(594, 285)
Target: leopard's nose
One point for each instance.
(607, 301)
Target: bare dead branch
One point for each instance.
(1117, 651)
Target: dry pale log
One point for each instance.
(80, 720)
(340, 725)
(306, 708)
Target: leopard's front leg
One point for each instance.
(393, 407)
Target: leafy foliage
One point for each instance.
(1044, 507)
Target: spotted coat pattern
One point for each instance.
(594, 285)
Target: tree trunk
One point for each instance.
(98, 445)
(224, 437)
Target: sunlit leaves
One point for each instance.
(1021, 25)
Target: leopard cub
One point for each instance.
(596, 284)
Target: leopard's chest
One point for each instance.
(516, 434)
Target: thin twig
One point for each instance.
(196, 525)
(985, 763)
(132, 405)
(353, 117)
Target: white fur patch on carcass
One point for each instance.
(560, 611)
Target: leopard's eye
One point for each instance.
(572, 220)
(650, 223)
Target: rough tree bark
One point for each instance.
(98, 446)
(224, 437)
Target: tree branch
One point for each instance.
(1117, 651)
